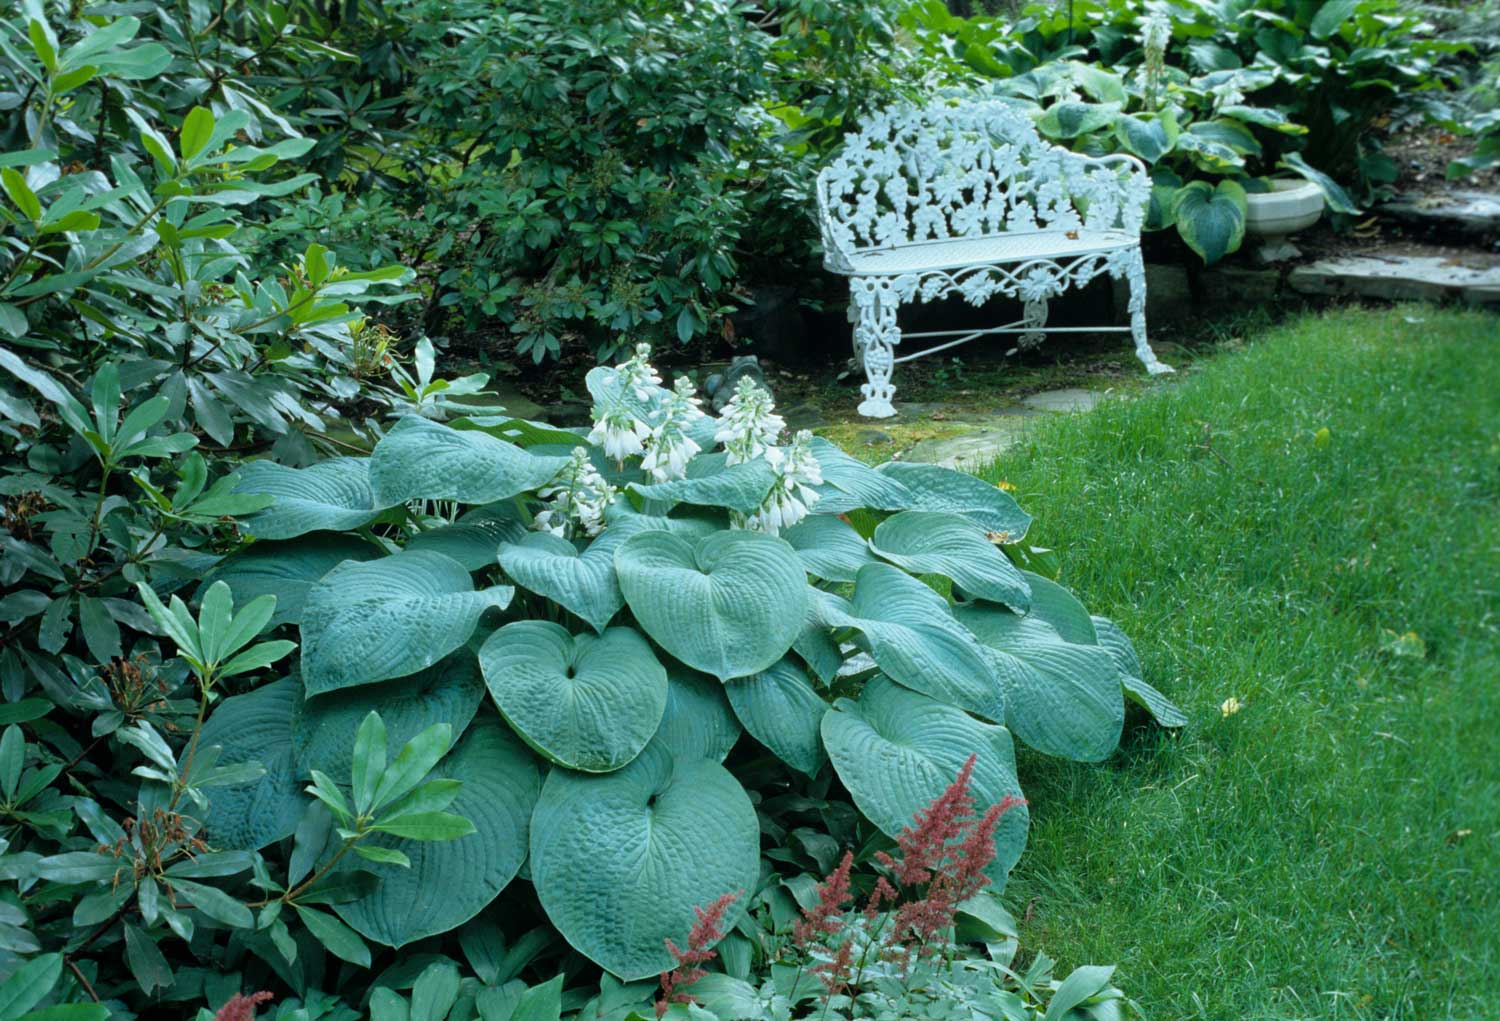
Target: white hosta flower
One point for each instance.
(576, 499)
(669, 447)
(748, 425)
(637, 373)
(619, 432)
(792, 497)
(1156, 34)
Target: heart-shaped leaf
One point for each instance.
(255, 727)
(897, 750)
(1210, 219)
(729, 605)
(286, 570)
(740, 487)
(849, 484)
(781, 710)
(582, 583)
(585, 702)
(1119, 646)
(423, 459)
(936, 488)
(1060, 698)
(474, 538)
(1052, 604)
(828, 547)
(332, 496)
(912, 635)
(698, 722)
(620, 860)
(451, 881)
(323, 728)
(931, 542)
(388, 618)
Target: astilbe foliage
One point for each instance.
(702, 936)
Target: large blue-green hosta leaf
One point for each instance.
(729, 605)
(913, 637)
(475, 538)
(897, 750)
(331, 496)
(585, 702)
(1052, 604)
(582, 583)
(323, 728)
(781, 710)
(620, 860)
(932, 542)
(698, 722)
(255, 727)
(388, 618)
(1119, 646)
(828, 547)
(1061, 698)
(451, 881)
(286, 570)
(849, 484)
(710, 483)
(935, 488)
(423, 459)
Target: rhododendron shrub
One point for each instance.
(609, 622)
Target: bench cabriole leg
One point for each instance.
(875, 336)
(1135, 276)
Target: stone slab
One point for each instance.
(1422, 278)
(970, 448)
(1070, 399)
(1458, 212)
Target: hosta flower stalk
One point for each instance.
(575, 500)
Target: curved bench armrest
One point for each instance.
(837, 252)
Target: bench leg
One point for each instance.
(1135, 277)
(1033, 317)
(875, 336)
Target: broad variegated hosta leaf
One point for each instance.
(450, 881)
(935, 488)
(425, 460)
(388, 618)
(286, 570)
(475, 538)
(323, 728)
(896, 750)
(911, 634)
(932, 542)
(849, 484)
(710, 483)
(780, 709)
(828, 547)
(619, 860)
(331, 496)
(1061, 698)
(255, 727)
(585, 702)
(698, 722)
(729, 605)
(1119, 646)
(582, 583)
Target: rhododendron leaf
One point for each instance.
(425, 460)
(913, 637)
(286, 570)
(936, 488)
(828, 547)
(255, 727)
(332, 495)
(1119, 646)
(450, 881)
(620, 860)
(932, 542)
(897, 750)
(741, 487)
(781, 710)
(323, 728)
(475, 538)
(388, 618)
(729, 605)
(698, 722)
(584, 702)
(849, 484)
(582, 583)
(1061, 698)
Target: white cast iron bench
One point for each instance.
(968, 199)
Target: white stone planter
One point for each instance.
(1288, 207)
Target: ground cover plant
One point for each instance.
(1304, 536)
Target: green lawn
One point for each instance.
(1329, 851)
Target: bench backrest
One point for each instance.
(974, 169)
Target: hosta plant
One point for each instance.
(599, 621)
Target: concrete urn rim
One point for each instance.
(1288, 207)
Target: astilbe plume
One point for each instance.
(704, 934)
(240, 1007)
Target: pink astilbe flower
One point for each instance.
(240, 1007)
(835, 973)
(924, 845)
(702, 936)
(826, 916)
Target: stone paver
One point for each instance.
(1425, 278)
(1070, 399)
(1474, 213)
